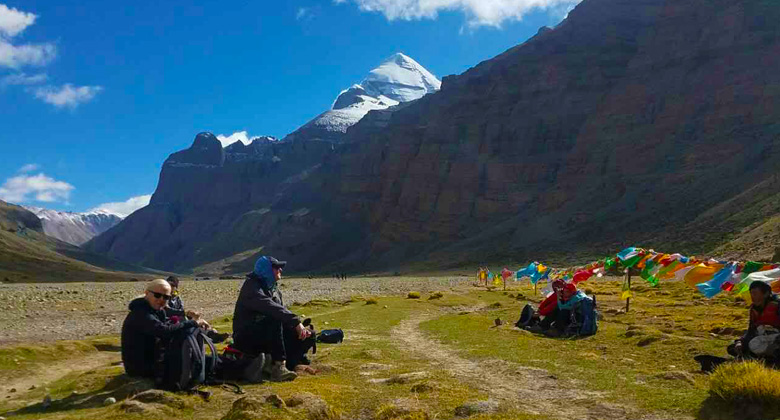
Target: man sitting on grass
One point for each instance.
(531, 320)
(146, 325)
(176, 313)
(261, 322)
(762, 339)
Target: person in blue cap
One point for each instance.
(259, 320)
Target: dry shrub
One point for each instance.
(436, 295)
(372, 301)
(746, 381)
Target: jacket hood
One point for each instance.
(138, 303)
(264, 272)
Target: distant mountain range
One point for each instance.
(648, 123)
(75, 228)
(27, 255)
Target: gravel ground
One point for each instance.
(48, 312)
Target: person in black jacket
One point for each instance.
(260, 320)
(146, 325)
(174, 310)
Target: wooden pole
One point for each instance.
(628, 280)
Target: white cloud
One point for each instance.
(29, 168)
(23, 188)
(23, 79)
(14, 56)
(13, 21)
(124, 208)
(478, 12)
(241, 136)
(67, 95)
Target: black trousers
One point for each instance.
(558, 319)
(266, 336)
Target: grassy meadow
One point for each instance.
(454, 354)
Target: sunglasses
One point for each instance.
(160, 295)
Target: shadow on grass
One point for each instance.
(119, 387)
(715, 408)
(108, 347)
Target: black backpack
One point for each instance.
(184, 361)
(331, 336)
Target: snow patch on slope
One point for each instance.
(75, 228)
(398, 79)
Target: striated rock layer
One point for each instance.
(649, 122)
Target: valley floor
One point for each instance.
(423, 359)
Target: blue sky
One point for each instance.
(94, 95)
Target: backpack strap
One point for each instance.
(213, 368)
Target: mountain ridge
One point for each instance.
(624, 125)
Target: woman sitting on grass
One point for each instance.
(762, 339)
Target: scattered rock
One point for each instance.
(403, 378)
(422, 388)
(315, 407)
(130, 406)
(32, 387)
(247, 408)
(109, 401)
(275, 401)
(647, 341)
(156, 396)
(477, 407)
(413, 295)
(305, 370)
(375, 366)
(498, 322)
(12, 390)
(677, 376)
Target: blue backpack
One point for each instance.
(590, 315)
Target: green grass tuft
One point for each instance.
(413, 295)
(746, 381)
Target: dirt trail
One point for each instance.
(524, 388)
(54, 371)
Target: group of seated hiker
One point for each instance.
(565, 312)
(263, 329)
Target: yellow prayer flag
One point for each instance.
(701, 274)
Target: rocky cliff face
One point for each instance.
(632, 122)
(624, 124)
(213, 203)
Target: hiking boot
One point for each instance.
(536, 329)
(553, 332)
(254, 372)
(279, 373)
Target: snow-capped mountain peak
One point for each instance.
(75, 228)
(401, 78)
(397, 79)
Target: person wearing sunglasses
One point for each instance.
(146, 325)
